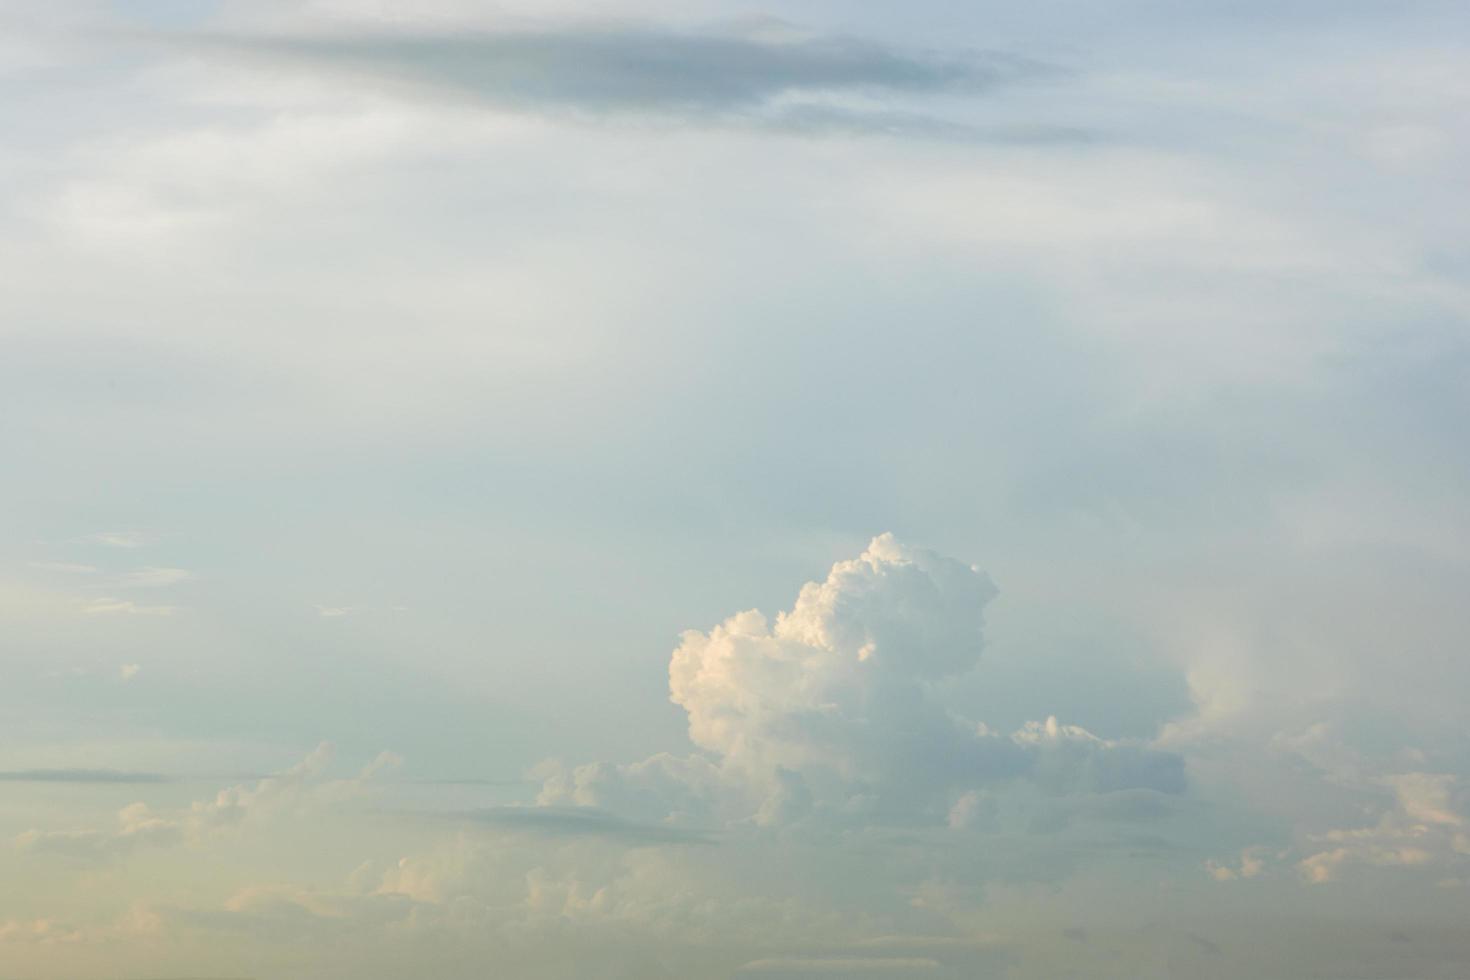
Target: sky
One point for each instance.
(704, 491)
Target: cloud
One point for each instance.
(1252, 863)
(65, 567)
(889, 958)
(299, 788)
(557, 821)
(152, 577)
(819, 119)
(665, 788)
(121, 539)
(138, 826)
(127, 672)
(41, 932)
(838, 966)
(839, 684)
(630, 69)
(109, 606)
(232, 805)
(1069, 757)
(81, 776)
(1427, 827)
(834, 711)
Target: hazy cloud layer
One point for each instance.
(410, 375)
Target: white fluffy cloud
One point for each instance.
(837, 708)
(838, 689)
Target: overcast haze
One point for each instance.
(633, 489)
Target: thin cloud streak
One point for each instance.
(85, 776)
(708, 78)
(575, 821)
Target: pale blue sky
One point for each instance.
(388, 390)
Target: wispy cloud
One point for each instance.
(474, 781)
(64, 567)
(816, 118)
(574, 821)
(137, 826)
(712, 76)
(837, 966)
(110, 606)
(301, 787)
(120, 539)
(120, 776)
(153, 577)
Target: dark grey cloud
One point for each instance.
(81, 776)
(661, 72)
(574, 821)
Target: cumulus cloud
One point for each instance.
(839, 683)
(1426, 827)
(233, 804)
(835, 708)
(1252, 862)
